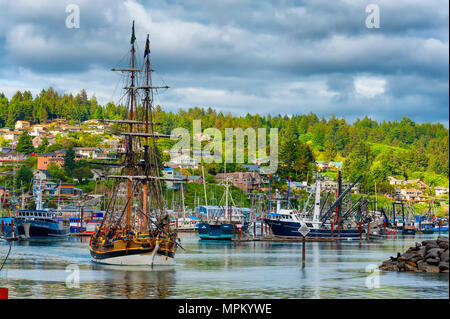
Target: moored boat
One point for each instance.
(132, 232)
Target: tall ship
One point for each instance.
(135, 229)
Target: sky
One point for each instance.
(239, 56)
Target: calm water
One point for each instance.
(211, 269)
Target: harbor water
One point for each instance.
(220, 269)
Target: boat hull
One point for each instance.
(153, 258)
(138, 251)
(290, 229)
(41, 229)
(215, 231)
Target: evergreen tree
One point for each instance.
(25, 144)
(43, 146)
(69, 161)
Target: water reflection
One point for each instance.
(220, 269)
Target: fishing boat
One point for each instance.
(220, 224)
(128, 235)
(288, 222)
(41, 222)
(189, 223)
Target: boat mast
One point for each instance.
(129, 148)
(147, 106)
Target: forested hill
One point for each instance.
(399, 148)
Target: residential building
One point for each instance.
(332, 186)
(56, 157)
(325, 165)
(411, 194)
(10, 135)
(403, 182)
(12, 157)
(194, 179)
(247, 181)
(184, 161)
(42, 174)
(170, 172)
(99, 175)
(22, 125)
(439, 190)
(300, 185)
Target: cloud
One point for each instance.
(369, 87)
(241, 56)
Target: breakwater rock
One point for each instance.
(428, 256)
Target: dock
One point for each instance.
(288, 239)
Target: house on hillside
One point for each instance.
(247, 181)
(170, 172)
(439, 190)
(42, 174)
(56, 157)
(12, 157)
(22, 125)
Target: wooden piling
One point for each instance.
(303, 251)
(439, 226)
(339, 229)
(360, 231)
(239, 233)
(332, 224)
(368, 231)
(254, 228)
(234, 231)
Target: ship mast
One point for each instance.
(130, 144)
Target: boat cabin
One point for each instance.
(38, 215)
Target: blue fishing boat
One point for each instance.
(287, 222)
(40, 223)
(215, 231)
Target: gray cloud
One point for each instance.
(242, 56)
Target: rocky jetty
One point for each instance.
(429, 256)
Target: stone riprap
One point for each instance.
(428, 256)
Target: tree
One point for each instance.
(69, 161)
(82, 174)
(25, 144)
(56, 172)
(24, 176)
(330, 150)
(43, 146)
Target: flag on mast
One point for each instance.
(147, 47)
(133, 38)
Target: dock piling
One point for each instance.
(360, 231)
(303, 251)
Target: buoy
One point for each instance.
(3, 293)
